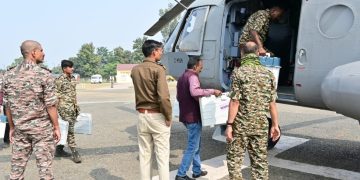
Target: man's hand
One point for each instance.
(262, 51)
(168, 123)
(217, 93)
(11, 135)
(228, 134)
(57, 135)
(274, 133)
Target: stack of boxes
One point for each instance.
(272, 64)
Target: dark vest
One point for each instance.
(189, 107)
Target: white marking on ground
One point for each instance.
(104, 102)
(217, 167)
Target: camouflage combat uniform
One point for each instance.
(28, 90)
(259, 22)
(67, 108)
(254, 87)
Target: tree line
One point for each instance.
(92, 60)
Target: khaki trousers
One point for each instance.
(153, 137)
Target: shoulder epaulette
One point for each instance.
(9, 68)
(46, 68)
(161, 65)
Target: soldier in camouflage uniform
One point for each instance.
(257, 26)
(252, 96)
(67, 107)
(29, 96)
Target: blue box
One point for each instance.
(269, 61)
(3, 119)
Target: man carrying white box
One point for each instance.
(188, 94)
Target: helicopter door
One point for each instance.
(190, 42)
(192, 34)
(325, 26)
(168, 17)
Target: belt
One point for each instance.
(140, 110)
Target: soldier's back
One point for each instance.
(28, 89)
(257, 84)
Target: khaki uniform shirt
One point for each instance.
(254, 88)
(28, 90)
(151, 89)
(259, 22)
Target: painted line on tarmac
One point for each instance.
(217, 167)
(104, 102)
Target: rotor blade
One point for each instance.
(168, 16)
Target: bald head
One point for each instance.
(250, 47)
(28, 46)
(32, 51)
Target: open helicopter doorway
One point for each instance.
(281, 40)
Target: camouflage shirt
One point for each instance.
(66, 92)
(28, 90)
(254, 87)
(259, 22)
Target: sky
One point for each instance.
(63, 26)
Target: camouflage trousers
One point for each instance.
(43, 146)
(71, 131)
(257, 148)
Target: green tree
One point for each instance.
(137, 55)
(109, 61)
(16, 62)
(166, 31)
(87, 62)
(19, 60)
(104, 53)
(57, 70)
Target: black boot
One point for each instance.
(60, 152)
(75, 155)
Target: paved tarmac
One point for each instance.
(316, 144)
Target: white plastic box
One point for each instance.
(3, 121)
(2, 129)
(83, 124)
(275, 70)
(175, 109)
(272, 64)
(64, 126)
(214, 110)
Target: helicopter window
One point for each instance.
(193, 31)
(336, 21)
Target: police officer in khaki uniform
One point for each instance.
(257, 26)
(153, 104)
(68, 108)
(29, 96)
(252, 96)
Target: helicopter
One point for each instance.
(317, 42)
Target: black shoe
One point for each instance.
(60, 152)
(75, 155)
(203, 173)
(183, 178)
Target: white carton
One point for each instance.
(2, 129)
(275, 70)
(64, 126)
(83, 124)
(214, 110)
(175, 109)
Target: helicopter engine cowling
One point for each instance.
(340, 90)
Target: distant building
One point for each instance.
(123, 72)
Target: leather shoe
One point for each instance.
(183, 177)
(203, 173)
